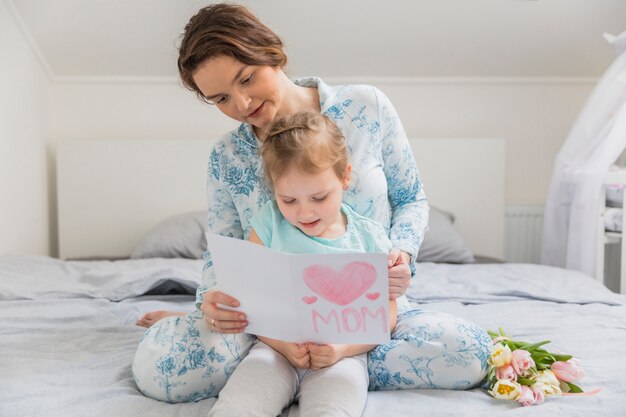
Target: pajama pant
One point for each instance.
(180, 359)
(265, 383)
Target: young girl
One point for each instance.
(306, 161)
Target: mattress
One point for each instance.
(68, 334)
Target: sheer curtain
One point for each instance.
(596, 140)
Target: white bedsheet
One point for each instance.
(68, 337)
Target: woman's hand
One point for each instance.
(219, 319)
(399, 273)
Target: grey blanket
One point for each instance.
(67, 334)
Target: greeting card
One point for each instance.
(320, 298)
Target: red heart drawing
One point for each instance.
(341, 287)
(309, 300)
(372, 295)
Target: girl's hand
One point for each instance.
(297, 354)
(219, 319)
(399, 273)
(323, 356)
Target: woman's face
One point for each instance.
(246, 93)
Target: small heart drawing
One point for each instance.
(372, 295)
(309, 300)
(340, 287)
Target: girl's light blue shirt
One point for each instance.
(362, 234)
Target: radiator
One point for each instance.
(523, 228)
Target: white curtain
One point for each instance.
(596, 140)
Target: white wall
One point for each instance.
(534, 116)
(25, 199)
(125, 110)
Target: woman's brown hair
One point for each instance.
(230, 30)
(308, 141)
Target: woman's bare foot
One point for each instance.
(152, 317)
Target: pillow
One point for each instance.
(180, 236)
(442, 242)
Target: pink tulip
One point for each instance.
(538, 395)
(527, 397)
(521, 361)
(568, 371)
(506, 372)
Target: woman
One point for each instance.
(233, 61)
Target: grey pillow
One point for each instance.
(442, 242)
(180, 236)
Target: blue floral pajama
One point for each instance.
(179, 359)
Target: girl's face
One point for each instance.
(312, 202)
(250, 94)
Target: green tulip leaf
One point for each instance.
(574, 388)
(526, 381)
(537, 345)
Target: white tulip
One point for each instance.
(504, 389)
(500, 355)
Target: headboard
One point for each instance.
(112, 192)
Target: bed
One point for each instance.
(68, 333)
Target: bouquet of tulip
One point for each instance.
(527, 373)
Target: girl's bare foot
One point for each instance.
(152, 317)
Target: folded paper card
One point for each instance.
(320, 298)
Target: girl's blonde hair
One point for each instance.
(308, 141)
